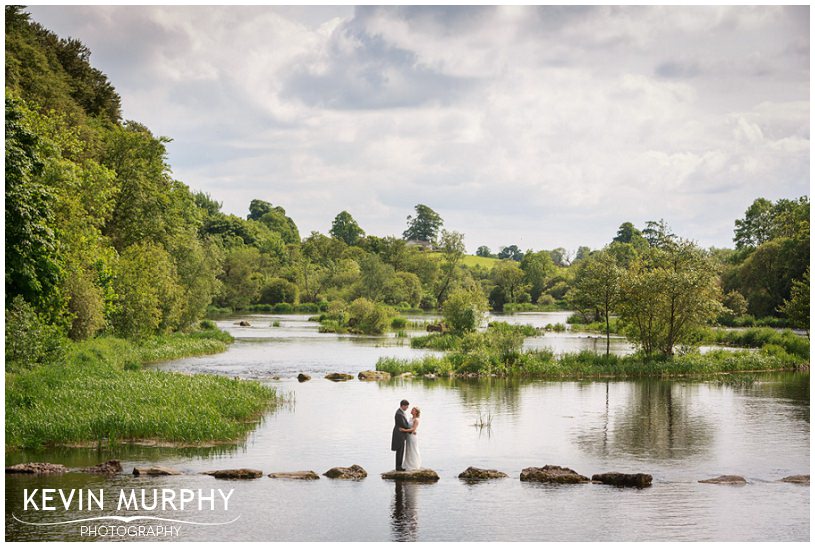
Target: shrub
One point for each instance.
(206, 324)
(279, 290)
(30, 341)
(398, 322)
(464, 310)
(368, 317)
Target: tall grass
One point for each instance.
(760, 337)
(102, 394)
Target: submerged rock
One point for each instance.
(303, 377)
(368, 375)
(636, 480)
(235, 474)
(37, 468)
(156, 470)
(338, 377)
(417, 475)
(796, 479)
(552, 473)
(110, 467)
(298, 475)
(476, 474)
(355, 472)
(725, 479)
(244, 324)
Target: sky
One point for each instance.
(541, 127)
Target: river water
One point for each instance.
(679, 431)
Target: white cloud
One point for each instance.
(540, 126)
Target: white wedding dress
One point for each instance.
(413, 459)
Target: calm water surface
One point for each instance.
(679, 431)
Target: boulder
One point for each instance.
(244, 324)
(406, 375)
(38, 468)
(157, 470)
(338, 377)
(636, 480)
(369, 375)
(430, 376)
(476, 474)
(725, 479)
(416, 475)
(552, 473)
(235, 474)
(796, 479)
(298, 475)
(110, 467)
(439, 327)
(355, 472)
(303, 377)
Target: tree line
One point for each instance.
(101, 238)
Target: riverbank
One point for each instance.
(102, 395)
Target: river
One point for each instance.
(679, 431)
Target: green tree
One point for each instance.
(796, 308)
(240, 278)
(484, 251)
(538, 269)
(278, 290)
(368, 317)
(509, 278)
(766, 275)
(667, 294)
(375, 276)
(757, 225)
(511, 252)
(346, 229)
(424, 226)
(464, 310)
(597, 288)
(452, 252)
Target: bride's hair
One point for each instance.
(418, 412)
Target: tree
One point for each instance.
(511, 252)
(597, 288)
(627, 233)
(765, 277)
(484, 251)
(796, 308)
(667, 294)
(658, 234)
(509, 278)
(452, 251)
(538, 269)
(561, 257)
(464, 310)
(240, 278)
(756, 226)
(346, 229)
(424, 226)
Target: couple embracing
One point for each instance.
(404, 440)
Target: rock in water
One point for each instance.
(552, 473)
(725, 479)
(338, 377)
(298, 475)
(110, 467)
(153, 471)
(355, 472)
(636, 480)
(244, 324)
(235, 474)
(476, 474)
(417, 475)
(369, 375)
(303, 377)
(796, 479)
(38, 468)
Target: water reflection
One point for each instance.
(404, 518)
(651, 421)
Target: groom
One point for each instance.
(399, 433)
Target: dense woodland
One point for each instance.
(101, 239)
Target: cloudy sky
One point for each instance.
(536, 126)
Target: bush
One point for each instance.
(367, 317)
(206, 324)
(398, 323)
(464, 310)
(30, 341)
(278, 291)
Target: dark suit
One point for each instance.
(399, 437)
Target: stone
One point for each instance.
(725, 479)
(636, 480)
(153, 471)
(406, 375)
(476, 474)
(235, 474)
(303, 377)
(373, 375)
(244, 324)
(355, 472)
(553, 474)
(110, 467)
(338, 377)
(430, 376)
(439, 327)
(796, 479)
(36, 468)
(298, 475)
(416, 475)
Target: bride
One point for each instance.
(413, 459)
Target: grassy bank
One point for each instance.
(103, 394)
(498, 352)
